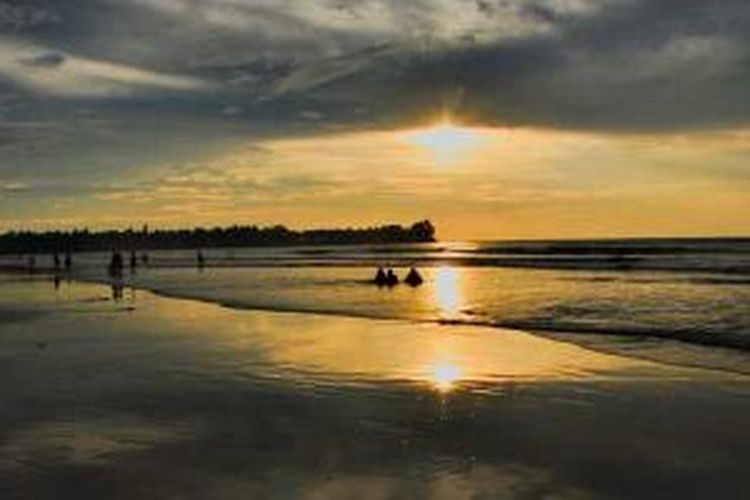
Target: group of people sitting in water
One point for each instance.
(390, 279)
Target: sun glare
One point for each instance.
(446, 142)
(444, 376)
(447, 292)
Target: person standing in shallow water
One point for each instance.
(200, 259)
(115, 265)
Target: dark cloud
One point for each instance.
(619, 64)
(21, 16)
(658, 65)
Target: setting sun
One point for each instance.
(446, 142)
(444, 376)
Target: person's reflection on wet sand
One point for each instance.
(117, 291)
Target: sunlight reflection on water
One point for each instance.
(447, 291)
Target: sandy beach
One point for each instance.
(152, 397)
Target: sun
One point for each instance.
(444, 376)
(446, 142)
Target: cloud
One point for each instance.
(553, 63)
(14, 187)
(48, 60)
(93, 95)
(66, 75)
(17, 16)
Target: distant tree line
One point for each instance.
(83, 240)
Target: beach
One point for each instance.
(156, 397)
(374, 250)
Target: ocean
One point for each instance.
(691, 290)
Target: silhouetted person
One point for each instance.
(68, 261)
(380, 277)
(200, 259)
(144, 258)
(133, 261)
(57, 281)
(56, 260)
(390, 278)
(413, 279)
(115, 265)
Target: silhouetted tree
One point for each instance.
(80, 240)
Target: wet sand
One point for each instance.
(152, 397)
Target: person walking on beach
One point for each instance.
(115, 265)
(133, 262)
(68, 261)
(200, 259)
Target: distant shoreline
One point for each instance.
(83, 240)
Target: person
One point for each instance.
(391, 279)
(380, 278)
(413, 279)
(133, 261)
(144, 258)
(201, 259)
(115, 265)
(68, 261)
(56, 260)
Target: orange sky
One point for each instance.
(474, 183)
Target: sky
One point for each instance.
(492, 118)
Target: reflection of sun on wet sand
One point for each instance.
(267, 405)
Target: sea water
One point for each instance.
(692, 290)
